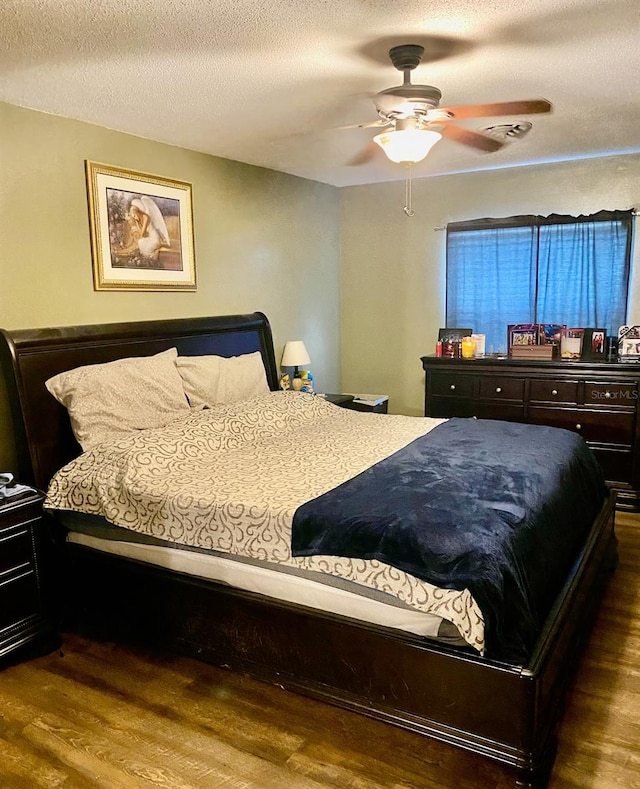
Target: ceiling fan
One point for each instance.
(415, 121)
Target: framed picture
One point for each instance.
(629, 343)
(453, 335)
(141, 230)
(593, 344)
(520, 334)
(571, 343)
(551, 333)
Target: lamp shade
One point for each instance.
(294, 354)
(407, 145)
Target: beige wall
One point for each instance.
(264, 241)
(392, 282)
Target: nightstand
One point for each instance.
(26, 611)
(342, 400)
(349, 401)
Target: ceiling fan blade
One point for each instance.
(471, 138)
(525, 107)
(365, 155)
(369, 125)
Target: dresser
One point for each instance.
(26, 596)
(599, 400)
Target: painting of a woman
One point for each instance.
(141, 230)
(147, 230)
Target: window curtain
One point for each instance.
(534, 269)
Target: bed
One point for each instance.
(484, 700)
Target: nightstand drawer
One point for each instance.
(553, 391)
(499, 388)
(16, 549)
(19, 599)
(14, 512)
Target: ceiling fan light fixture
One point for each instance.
(407, 145)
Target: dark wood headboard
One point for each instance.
(28, 357)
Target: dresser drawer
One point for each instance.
(507, 412)
(606, 427)
(452, 384)
(16, 549)
(553, 391)
(445, 407)
(617, 464)
(620, 393)
(501, 388)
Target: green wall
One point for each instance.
(263, 241)
(392, 284)
(345, 270)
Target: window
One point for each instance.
(535, 269)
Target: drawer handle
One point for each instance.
(498, 389)
(578, 426)
(554, 391)
(607, 395)
(452, 387)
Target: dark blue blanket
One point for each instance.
(499, 508)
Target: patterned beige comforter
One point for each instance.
(230, 479)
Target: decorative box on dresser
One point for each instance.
(599, 400)
(26, 603)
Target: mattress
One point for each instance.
(284, 586)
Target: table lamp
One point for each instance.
(294, 355)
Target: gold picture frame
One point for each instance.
(141, 230)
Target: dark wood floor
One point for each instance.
(103, 715)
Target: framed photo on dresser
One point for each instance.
(453, 334)
(593, 345)
(629, 343)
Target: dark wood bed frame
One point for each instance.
(507, 713)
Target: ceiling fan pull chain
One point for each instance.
(407, 193)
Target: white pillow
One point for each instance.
(106, 400)
(216, 380)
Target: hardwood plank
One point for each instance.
(108, 715)
(599, 739)
(103, 733)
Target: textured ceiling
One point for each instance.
(272, 84)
